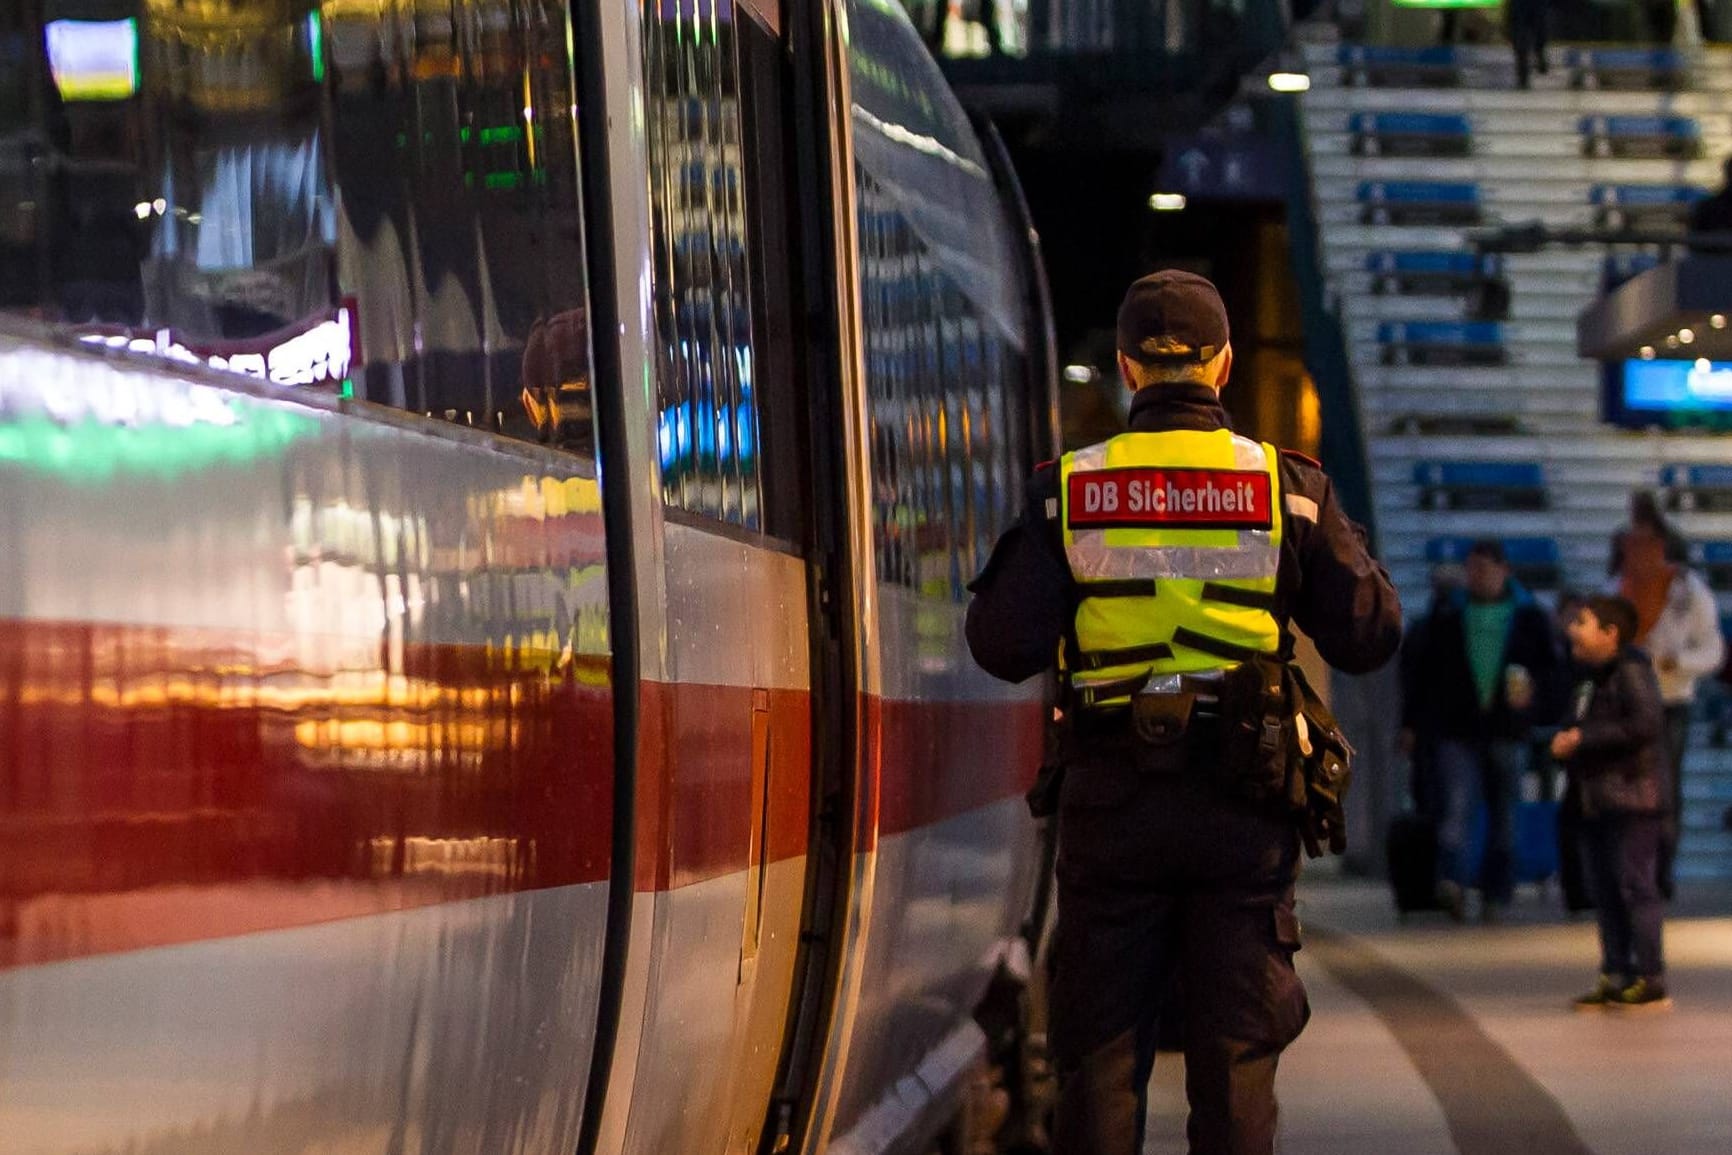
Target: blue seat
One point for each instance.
(1410, 134)
(1678, 137)
(1480, 485)
(1376, 65)
(1442, 343)
(1442, 272)
(1628, 205)
(1661, 68)
(1536, 561)
(1446, 262)
(1418, 202)
(1697, 488)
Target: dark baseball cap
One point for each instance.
(1172, 307)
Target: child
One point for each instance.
(1612, 751)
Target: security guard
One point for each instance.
(1154, 566)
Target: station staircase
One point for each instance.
(1478, 418)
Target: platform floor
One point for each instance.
(1429, 1038)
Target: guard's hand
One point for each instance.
(1565, 743)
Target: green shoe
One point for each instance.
(1605, 993)
(1643, 995)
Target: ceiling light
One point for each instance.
(1167, 202)
(1647, 352)
(1717, 321)
(1078, 374)
(141, 210)
(1672, 341)
(160, 205)
(1289, 82)
(1703, 365)
(1687, 335)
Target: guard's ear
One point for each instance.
(1128, 372)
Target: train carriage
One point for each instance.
(486, 492)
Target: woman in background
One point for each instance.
(1678, 624)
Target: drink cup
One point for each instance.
(1518, 686)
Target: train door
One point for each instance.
(709, 290)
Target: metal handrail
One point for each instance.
(1534, 236)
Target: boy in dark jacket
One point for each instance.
(1613, 751)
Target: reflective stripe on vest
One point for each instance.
(1174, 540)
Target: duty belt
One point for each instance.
(1205, 687)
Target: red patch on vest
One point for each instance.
(1174, 498)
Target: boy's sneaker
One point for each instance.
(1604, 994)
(1643, 995)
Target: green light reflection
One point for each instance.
(94, 452)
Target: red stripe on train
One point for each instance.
(161, 785)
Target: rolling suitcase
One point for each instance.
(1536, 857)
(1412, 849)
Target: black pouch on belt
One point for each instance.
(1162, 719)
(1159, 724)
(1258, 743)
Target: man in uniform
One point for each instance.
(1152, 566)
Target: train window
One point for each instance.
(720, 246)
(945, 390)
(377, 199)
(942, 313)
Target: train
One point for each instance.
(487, 495)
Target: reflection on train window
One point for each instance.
(944, 387)
(379, 199)
(706, 366)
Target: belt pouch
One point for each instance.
(1160, 723)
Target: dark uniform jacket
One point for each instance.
(1620, 764)
(1025, 599)
(1439, 697)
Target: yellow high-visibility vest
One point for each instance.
(1174, 540)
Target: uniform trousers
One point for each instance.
(1162, 874)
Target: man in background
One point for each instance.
(1484, 672)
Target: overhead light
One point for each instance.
(1687, 335)
(1672, 341)
(141, 210)
(1703, 365)
(1647, 352)
(1167, 202)
(1289, 82)
(1078, 374)
(1717, 321)
(160, 205)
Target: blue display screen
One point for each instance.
(1678, 386)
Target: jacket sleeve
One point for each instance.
(1023, 599)
(1704, 649)
(1639, 720)
(1346, 603)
